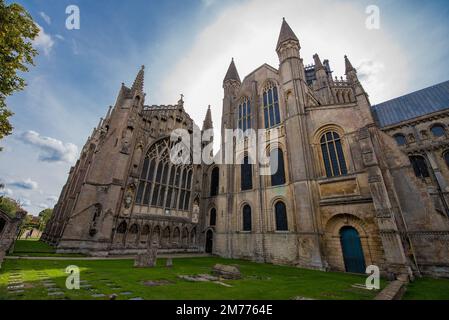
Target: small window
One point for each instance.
(438, 131)
(244, 115)
(213, 217)
(214, 182)
(400, 139)
(246, 175)
(420, 166)
(277, 174)
(281, 216)
(247, 223)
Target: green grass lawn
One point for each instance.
(36, 248)
(428, 289)
(260, 281)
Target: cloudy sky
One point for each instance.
(186, 47)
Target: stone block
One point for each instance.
(227, 272)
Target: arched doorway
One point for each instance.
(209, 241)
(352, 250)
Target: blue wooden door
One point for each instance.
(352, 250)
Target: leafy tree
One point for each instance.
(17, 31)
(9, 206)
(44, 216)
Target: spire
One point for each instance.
(232, 73)
(348, 65)
(138, 83)
(207, 123)
(181, 102)
(286, 34)
(318, 64)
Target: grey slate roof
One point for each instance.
(413, 105)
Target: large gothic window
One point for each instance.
(420, 166)
(213, 217)
(271, 112)
(214, 182)
(277, 167)
(162, 183)
(247, 223)
(246, 174)
(244, 114)
(333, 156)
(281, 216)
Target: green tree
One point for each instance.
(44, 216)
(17, 31)
(9, 206)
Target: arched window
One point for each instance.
(247, 223)
(244, 115)
(193, 236)
(277, 167)
(213, 217)
(185, 236)
(161, 181)
(271, 106)
(438, 130)
(214, 182)
(420, 166)
(145, 230)
(246, 174)
(122, 227)
(166, 235)
(176, 236)
(156, 236)
(134, 229)
(281, 216)
(333, 156)
(400, 139)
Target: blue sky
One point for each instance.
(186, 47)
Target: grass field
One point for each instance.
(35, 248)
(428, 289)
(101, 278)
(260, 281)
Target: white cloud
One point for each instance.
(26, 184)
(43, 206)
(249, 32)
(44, 41)
(25, 202)
(50, 149)
(6, 192)
(52, 199)
(46, 18)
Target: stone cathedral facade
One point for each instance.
(344, 195)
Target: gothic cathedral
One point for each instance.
(344, 195)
